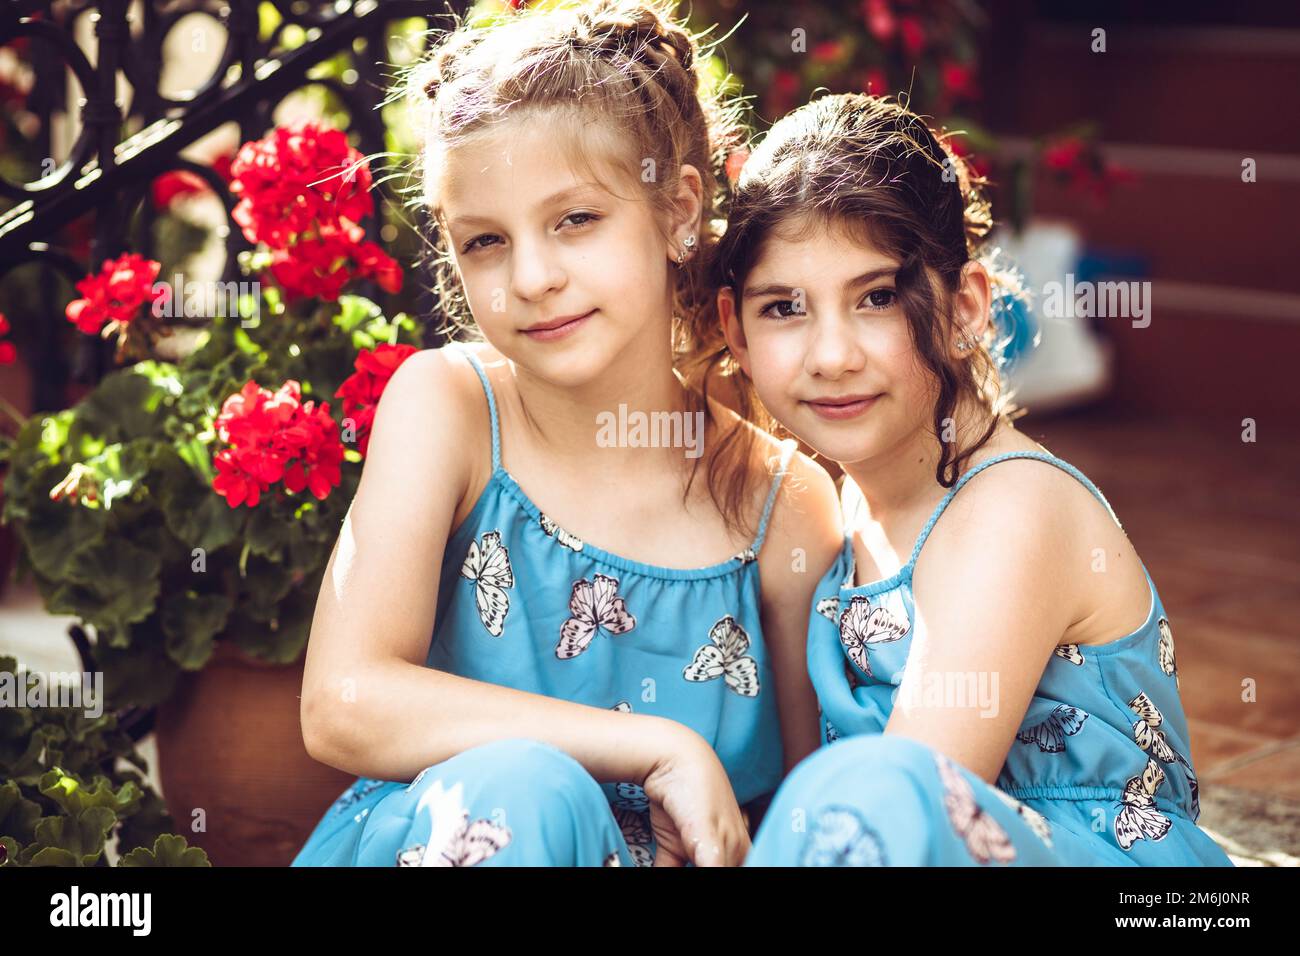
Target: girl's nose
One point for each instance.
(535, 272)
(833, 349)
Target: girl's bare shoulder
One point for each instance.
(806, 511)
(433, 419)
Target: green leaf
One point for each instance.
(130, 403)
(168, 850)
(264, 587)
(191, 621)
(68, 791)
(268, 531)
(194, 513)
(310, 544)
(354, 310)
(119, 582)
(73, 840)
(246, 345)
(48, 855)
(141, 675)
(144, 826)
(55, 533)
(281, 639)
(18, 815)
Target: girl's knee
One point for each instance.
(866, 800)
(869, 756)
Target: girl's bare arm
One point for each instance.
(370, 706)
(804, 537)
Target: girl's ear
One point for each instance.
(732, 329)
(971, 309)
(689, 201)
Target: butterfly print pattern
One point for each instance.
(1138, 818)
(1149, 736)
(570, 541)
(726, 657)
(455, 841)
(1064, 721)
(635, 828)
(862, 625)
(595, 605)
(1168, 664)
(841, 837)
(629, 796)
(829, 608)
(1069, 652)
(1033, 819)
(986, 841)
(832, 733)
(487, 566)
(355, 794)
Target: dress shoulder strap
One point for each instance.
(492, 404)
(787, 450)
(961, 482)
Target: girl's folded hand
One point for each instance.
(693, 811)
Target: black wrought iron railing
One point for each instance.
(110, 174)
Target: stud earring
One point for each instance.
(689, 243)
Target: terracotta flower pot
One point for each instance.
(230, 744)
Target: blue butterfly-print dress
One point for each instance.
(1099, 773)
(524, 604)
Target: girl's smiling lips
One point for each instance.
(557, 328)
(841, 407)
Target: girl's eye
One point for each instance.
(880, 299)
(474, 243)
(584, 216)
(784, 309)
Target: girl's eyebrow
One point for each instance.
(775, 288)
(552, 200)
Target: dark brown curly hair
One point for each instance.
(874, 167)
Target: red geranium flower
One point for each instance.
(913, 35)
(959, 80)
(1063, 155)
(174, 185)
(828, 51)
(295, 178)
(875, 82)
(1083, 167)
(115, 294)
(302, 192)
(8, 354)
(222, 166)
(274, 437)
(362, 389)
(880, 19)
(372, 261)
(318, 452)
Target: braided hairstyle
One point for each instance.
(871, 165)
(619, 81)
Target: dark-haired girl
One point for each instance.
(995, 669)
